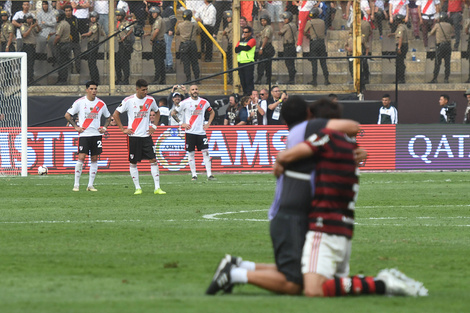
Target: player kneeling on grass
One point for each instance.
(139, 130)
(89, 109)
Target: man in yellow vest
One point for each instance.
(245, 50)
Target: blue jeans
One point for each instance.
(168, 55)
(104, 22)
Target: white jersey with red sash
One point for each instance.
(138, 113)
(193, 114)
(428, 7)
(89, 115)
(399, 6)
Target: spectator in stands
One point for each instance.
(448, 110)
(466, 119)
(152, 117)
(243, 24)
(288, 34)
(378, 14)
(245, 49)
(275, 9)
(455, 9)
(427, 11)
(75, 36)
(47, 21)
(243, 117)
(169, 19)
(207, 16)
(7, 33)
(126, 41)
(395, 8)
(60, 5)
(275, 105)
(387, 113)
(188, 48)
(467, 32)
(228, 33)
(221, 6)
(164, 112)
(266, 50)
(414, 18)
(174, 100)
(401, 39)
(254, 111)
(17, 21)
(333, 97)
(444, 33)
(316, 32)
(82, 12)
(231, 114)
(95, 34)
(246, 11)
(262, 106)
(102, 8)
(304, 8)
(366, 37)
(138, 8)
(291, 6)
(29, 31)
(348, 46)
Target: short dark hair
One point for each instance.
(325, 108)
(386, 96)
(243, 18)
(68, 6)
(89, 83)
(164, 101)
(45, 2)
(141, 83)
(249, 28)
(294, 110)
(445, 96)
(272, 88)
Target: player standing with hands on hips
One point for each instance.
(89, 109)
(139, 130)
(193, 110)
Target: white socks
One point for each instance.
(135, 175)
(207, 162)
(238, 275)
(155, 174)
(192, 163)
(93, 171)
(78, 172)
(248, 265)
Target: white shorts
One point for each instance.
(326, 254)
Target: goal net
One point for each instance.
(13, 114)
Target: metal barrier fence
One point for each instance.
(161, 59)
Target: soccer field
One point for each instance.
(112, 251)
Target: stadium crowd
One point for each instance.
(32, 26)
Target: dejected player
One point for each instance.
(89, 109)
(140, 143)
(193, 110)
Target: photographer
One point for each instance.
(275, 105)
(448, 110)
(17, 21)
(29, 31)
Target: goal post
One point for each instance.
(13, 114)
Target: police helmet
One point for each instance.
(154, 9)
(265, 17)
(187, 15)
(228, 14)
(95, 14)
(443, 16)
(288, 16)
(400, 18)
(314, 13)
(120, 12)
(4, 13)
(60, 14)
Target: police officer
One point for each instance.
(94, 34)
(29, 31)
(366, 33)
(228, 32)
(444, 33)
(266, 50)
(8, 33)
(126, 41)
(315, 31)
(62, 44)
(157, 37)
(188, 49)
(288, 33)
(401, 40)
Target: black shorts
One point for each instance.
(288, 237)
(141, 148)
(199, 141)
(90, 145)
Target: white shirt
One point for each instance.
(193, 114)
(18, 16)
(138, 113)
(101, 7)
(81, 13)
(390, 111)
(431, 10)
(89, 111)
(264, 105)
(395, 4)
(306, 6)
(207, 14)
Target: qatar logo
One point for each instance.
(170, 149)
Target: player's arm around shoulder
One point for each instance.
(349, 127)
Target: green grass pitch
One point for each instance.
(112, 251)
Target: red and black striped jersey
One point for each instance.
(336, 183)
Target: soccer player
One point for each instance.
(140, 143)
(193, 110)
(89, 109)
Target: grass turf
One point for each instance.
(112, 251)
